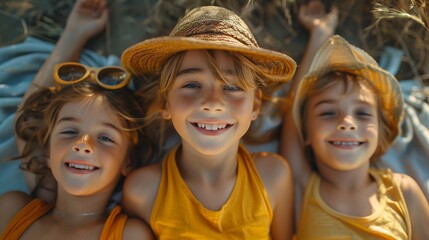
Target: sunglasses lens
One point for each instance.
(71, 73)
(112, 76)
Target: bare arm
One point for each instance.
(137, 229)
(277, 178)
(417, 205)
(321, 26)
(87, 18)
(140, 191)
(10, 204)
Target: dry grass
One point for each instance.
(398, 23)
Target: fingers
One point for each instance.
(316, 8)
(94, 4)
(333, 17)
(302, 12)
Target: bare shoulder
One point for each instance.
(271, 165)
(417, 204)
(409, 187)
(137, 229)
(10, 204)
(144, 180)
(140, 191)
(413, 194)
(276, 175)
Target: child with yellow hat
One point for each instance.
(347, 111)
(211, 79)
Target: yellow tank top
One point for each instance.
(177, 214)
(390, 221)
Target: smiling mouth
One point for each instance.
(78, 166)
(346, 144)
(212, 127)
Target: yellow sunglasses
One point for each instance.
(110, 77)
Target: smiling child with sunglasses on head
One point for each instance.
(87, 19)
(89, 126)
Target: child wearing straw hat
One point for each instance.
(212, 79)
(347, 111)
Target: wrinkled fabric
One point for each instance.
(409, 153)
(389, 221)
(178, 214)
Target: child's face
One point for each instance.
(88, 149)
(342, 126)
(209, 115)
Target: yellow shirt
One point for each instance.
(177, 214)
(389, 221)
(112, 229)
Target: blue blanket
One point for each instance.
(19, 64)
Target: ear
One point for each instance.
(257, 104)
(48, 162)
(165, 112)
(127, 167)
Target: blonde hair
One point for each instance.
(386, 134)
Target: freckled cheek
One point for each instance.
(59, 147)
(372, 129)
(180, 102)
(241, 105)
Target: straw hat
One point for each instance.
(337, 54)
(208, 27)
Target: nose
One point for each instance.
(347, 123)
(83, 145)
(213, 100)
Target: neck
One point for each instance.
(91, 206)
(347, 180)
(69, 214)
(196, 166)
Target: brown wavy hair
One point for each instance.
(39, 113)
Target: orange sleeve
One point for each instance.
(114, 226)
(24, 218)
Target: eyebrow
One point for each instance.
(106, 124)
(197, 70)
(189, 70)
(332, 101)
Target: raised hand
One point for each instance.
(316, 20)
(87, 18)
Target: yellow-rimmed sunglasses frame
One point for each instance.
(87, 75)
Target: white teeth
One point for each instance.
(345, 143)
(81, 166)
(211, 127)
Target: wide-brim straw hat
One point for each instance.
(208, 27)
(336, 54)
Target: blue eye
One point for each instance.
(232, 88)
(105, 139)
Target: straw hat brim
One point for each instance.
(148, 57)
(344, 57)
